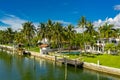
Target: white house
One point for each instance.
(44, 46)
(100, 45)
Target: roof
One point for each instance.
(43, 45)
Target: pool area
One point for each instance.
(71, 52)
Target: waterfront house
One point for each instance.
(99, 46)
(44, 46)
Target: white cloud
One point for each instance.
(63, 22)
(117, 7)
(3, 28)
(36, 24)
(115, 21)
(13, 21)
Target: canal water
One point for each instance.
(14, 67)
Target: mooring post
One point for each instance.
(34, 63)
(55, 59)
(13, 49)
(75, 63)
(65, 68)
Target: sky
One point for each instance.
(13, 13)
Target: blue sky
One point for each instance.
(15, 12)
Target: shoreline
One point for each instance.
(91, 66)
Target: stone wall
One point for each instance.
(100, 68)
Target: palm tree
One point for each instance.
(82, 23)
(71, 34)
(90, 31)
(110, 47)
(58, 34)
(9, 35)
(49, 29)
(19, 38)
(42, 31)
(29, 31)
(106, 31)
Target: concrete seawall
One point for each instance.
(100, 68)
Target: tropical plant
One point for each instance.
(28, 31)
(82, 23)
(110, 47)
(106, 31)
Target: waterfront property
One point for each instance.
(99, 46)
(44, 46)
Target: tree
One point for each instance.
(106, 31)
(58, 32)
(10, 35)
(42, 31)
(90, 34)
(28, 31)
(70, 34)
(19, 38)
(110, 47)
(82, 23)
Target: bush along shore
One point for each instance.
(69, 60)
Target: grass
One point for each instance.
(105, 59)
(35, 49)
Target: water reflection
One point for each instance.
(15, 67)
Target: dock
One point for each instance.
(75, 63)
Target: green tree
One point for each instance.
(110, 47)
(106, 31)
(28, 31)
(82, 23)
(70, 35)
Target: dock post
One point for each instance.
(75, 64)
(13, 49)
(34, 63)
(55, 59)
(65, 61)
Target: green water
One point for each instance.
(13, 67)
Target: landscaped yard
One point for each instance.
(105, 59)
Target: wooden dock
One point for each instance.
(70, 62)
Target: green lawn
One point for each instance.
(35, 49)
(105, 59)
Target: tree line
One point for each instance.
(59, 36)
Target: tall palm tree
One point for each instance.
(82, 23)
(42, 31)
(71, 34)
(29, 31)
(90, 31)
(50, 28)
(106, 31)
(19, 37)
(58, 34)
(10, 34)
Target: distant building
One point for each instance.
(99, 46)
(44, 46)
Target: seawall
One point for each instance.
(100, 68)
